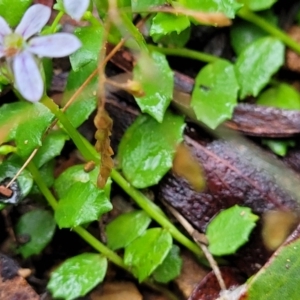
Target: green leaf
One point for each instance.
(8, 169)
(126, 228)
(176, 40)
(281, 96)
(147, 252)
(39, 226)
(215, 93)
(147, 148)
(156, 78)
(278, 279)
(243, 33)
(17, 123)
(163, 24)
(86, 102)
(82, 203)
(144, 5)
(257, 63)
(279, 147)
(228, 7)
(230, 229)
(13, 10)
(51, 147)
(77, 276)
(72, 175)
(170, 267)
(91, 38)
(258, 4)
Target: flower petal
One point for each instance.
(28, 79)
(34, 19)
(54, 45)
(76, 8)
(4, 29)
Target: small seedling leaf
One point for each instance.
(156, 78)
(126, 228)
(147, 252)
(77, 174)
(257, 63)
(91, 38)
(147, 149)
(170, 267)
(51, 147)
(230, 229)
(77, 276)
(81, 204)
(215, 93)
(164, 24)
(17, 124)
(38, 226)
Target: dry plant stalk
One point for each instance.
(103, 123)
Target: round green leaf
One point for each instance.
(81, 204)
(17, 123)
(230, 229)
(170, 267)
(72, 175)
(91, 38)
(147, 252)
(281, 96)
(13, 10)
(51, 147)
(215, 93)
(77, 276)
(126, 228)
(39, 225)
(163, 24)
(243, 33)
(143, 6)
(257, 63)
(258, 4)
(147, 149)
(156, 77)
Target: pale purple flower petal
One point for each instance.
(4, 29)
(2, 53)
(34, 19)
(76, 8)
(54, 45)
(28, 79)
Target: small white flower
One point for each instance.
(76, 8)
(20, 49)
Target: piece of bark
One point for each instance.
(13, 286)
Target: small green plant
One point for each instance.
(34, 129)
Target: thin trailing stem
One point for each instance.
(58, 17)
(250, 16)
(185, 53)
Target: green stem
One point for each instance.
(53, 27)
(155, 213)
(86, 149)
(185, 53)
(248, 15)
(97, 245)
